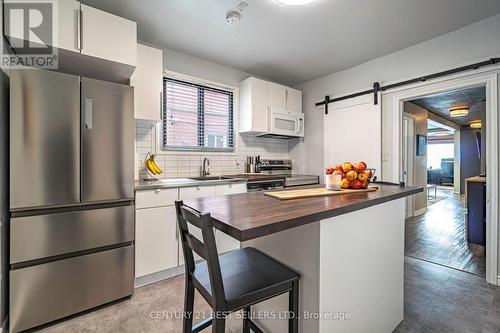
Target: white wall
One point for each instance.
(419, 162)
(189, 65)
(475, 42)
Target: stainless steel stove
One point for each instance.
(277, 174)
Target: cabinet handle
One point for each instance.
(80, 29)
(161, 105)
(286, 100)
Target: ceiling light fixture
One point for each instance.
(459, 112)
(233, 17)
(476, 125)
(295, 2)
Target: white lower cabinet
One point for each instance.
(157, 245)
(193, 193)
(224, 242)
(155, 240)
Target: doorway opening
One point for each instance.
(444, 151)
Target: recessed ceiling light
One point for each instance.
(295, 2)
(459, 112)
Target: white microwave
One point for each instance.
(285, 123)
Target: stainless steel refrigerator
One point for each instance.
(71, 195)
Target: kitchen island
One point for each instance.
(349, 249)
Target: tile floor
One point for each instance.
(437, 299)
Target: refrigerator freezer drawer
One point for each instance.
(41, 236)
(43, 293)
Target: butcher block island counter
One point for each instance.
(349, 249)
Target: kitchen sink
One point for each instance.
(209, 178)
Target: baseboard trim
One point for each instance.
(420, 211)
(142, 281)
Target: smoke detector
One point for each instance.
(234, 16)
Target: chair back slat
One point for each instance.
(191, 216)
(197, 246)
(205, 248)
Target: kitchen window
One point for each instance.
(196, 117)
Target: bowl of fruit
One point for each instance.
(349, 176)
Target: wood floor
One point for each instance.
(437, 299)
(439, 235)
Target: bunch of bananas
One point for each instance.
(151, 165)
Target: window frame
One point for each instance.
(202, 87)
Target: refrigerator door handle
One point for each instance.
(88, 107)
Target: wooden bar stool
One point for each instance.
(233, 281)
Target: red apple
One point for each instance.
(364, 184)
(347, 166)
(339, 167)
(364, 176)
(356, 184)
(339, 172)
(360, 167)
(345, 184)
(329, 170)
(351, 175)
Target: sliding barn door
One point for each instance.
(353, 132)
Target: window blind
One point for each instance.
(197, 117)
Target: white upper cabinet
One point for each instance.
(277, 96)
(253, 106)
(258, 97)
(69, 25)
(147, 81)
(68, 28)
(293, 100)
(89, 31)
(107, 36)
(281, 97)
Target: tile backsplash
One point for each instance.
(188, 164)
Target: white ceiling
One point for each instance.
(296, 44)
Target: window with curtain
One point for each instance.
(196, 117)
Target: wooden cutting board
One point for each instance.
(314, 192)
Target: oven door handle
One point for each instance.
(266, 181)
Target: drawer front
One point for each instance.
(43, 293)
(156, 198)
(230, 189)
(196, 192)
(56, 234)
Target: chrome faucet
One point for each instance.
(205, 171)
